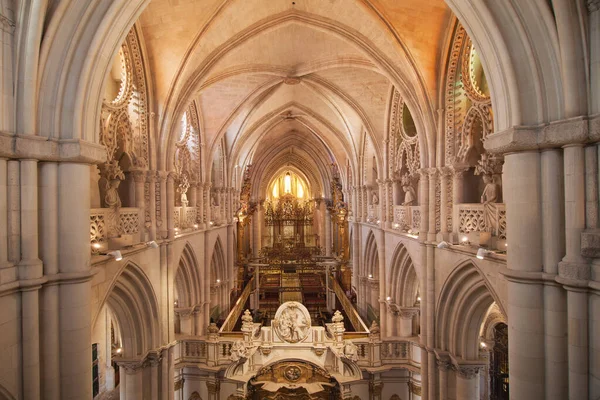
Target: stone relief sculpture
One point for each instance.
(292, 322)
(184, 185)
(350, 350)
(409, 192)
(112, 200)
(489, 167)
(375, 199)
(238, 351)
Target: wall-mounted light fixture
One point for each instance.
(152, 244)
(116, 255)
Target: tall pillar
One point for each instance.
(170, 205)
(207, 205)
(131, 381)
(75, 295)
(467, 382)
(171, 375)
(4, 263)
(30, 269)
(164, 375)
(200, 206)
(139, 178)
(445, 177)
(433, 176)
(151, 206)
(525, 291)
(49, 303)
(14, 212)
(594, 35)
(327, 232)
(574, 271)
(555, 302)
(163, 223)
(591, 187)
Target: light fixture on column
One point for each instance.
(152, 244)
(481, 253)
(388, 299)
(96, 246)
(218, 281)
(211, 223)
(370, 276)
(396, 226)
(119, 350)
(443, 245)
(195, 226)
(464, 240)
(116, 255)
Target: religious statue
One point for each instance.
(114, 176)
(489, 198)
(111, 198)
(375, 199)
(409, 195)
(238, 351)
(184, 185)
(350, 350)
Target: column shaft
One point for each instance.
(467, 388)
(75, 296)
(525, 300)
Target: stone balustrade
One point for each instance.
(470, 223)
(129, 226)
(407, 218)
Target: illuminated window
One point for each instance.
(300, 191)
(287, 183)
(276, 190)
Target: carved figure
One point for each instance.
(238, 351)
(409, 195)
(374, 329)
(350, 350)
(292, 322)
(488, 199)
(184, 185)
(375, 199)
(111, 198)
(213, 331)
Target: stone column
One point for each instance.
(170, 205)
(163, 223)
(443, 367)
(591, 187)
(139, 178)
(14, 212)
(574, 271)
(207, 205)
(171, 375)
(467, 382)
(328, 227)
(192, 195)
(131, 382)
(524, 261)
(75, 294)
(445, 176)
(165, 378)
(214, 388)
(594, 35)
(200, 206)
(151, 206)
(4, 263)
(555, 303)
(49, 302)
(458, 179)
(30, 270)
(406, 322)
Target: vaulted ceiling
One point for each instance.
(299, 82)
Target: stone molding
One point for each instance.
(593, 5)
(555, 134)
(46, 149)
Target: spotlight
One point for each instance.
(195, 226)
(443, 245)
(176, 229)
(218, 281)
(175, 303)
(152, 244)
(378, 221)
(96, 246)
(116, 254)
(483, 345)
(464, 239)
(419, 299)
(481, 253)
(118, 350)
(389, 298)
(370, 276)
(212, 223)
(396, 226)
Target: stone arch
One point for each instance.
(404, 282)
(493, 317)
(218, 281)
(133, 304)
(188, 283)
(371, 258)
(463, 302)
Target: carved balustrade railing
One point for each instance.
(373, 213)
(370, 352)
(407, 218)
(185, 217)
(130, 220)
(470, 218)
(351, 312)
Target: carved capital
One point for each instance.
(468, 371)
(139, 176)
(213, 387)
(443, 365)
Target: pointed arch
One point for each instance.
(371, 258)
(464, 300)
(404, 280)
(134, 307)
(5, 394)
(188, 282)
